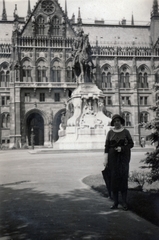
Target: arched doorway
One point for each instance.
(35, 124)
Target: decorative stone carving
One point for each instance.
(88, 125)
(48, 6)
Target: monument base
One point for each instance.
(79, 139)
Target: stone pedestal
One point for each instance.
(88, 126)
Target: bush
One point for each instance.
(152, 162)
(140, 178)
(152, 159)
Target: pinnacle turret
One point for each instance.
(155, 10)
(132, 20)
(79, 19)
(15, 14)
(66, 7)
(4, 14)
(29, 9)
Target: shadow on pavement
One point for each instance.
(80, 214)
(145, 204)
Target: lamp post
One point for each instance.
(50, 134)
(51, 127)
(32, 138)
(138, 109)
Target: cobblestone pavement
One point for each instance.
(43, 197)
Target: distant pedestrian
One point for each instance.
(143, 142)
(117, 157)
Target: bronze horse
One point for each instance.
(83, 63)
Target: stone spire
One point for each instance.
(79, 19)
(132, 20)
(73, 18)
(4, 14)
(154, 24)
(29, 9)
(66, 7)
(15, 14)
(155, 10)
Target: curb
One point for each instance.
(55, 151)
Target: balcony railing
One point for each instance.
(43, 41)
(45, 84)
(125, 51)
(5, 48)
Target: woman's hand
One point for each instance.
(105, 159)
(118, 149)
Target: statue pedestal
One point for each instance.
(88, 126)
(86, 138)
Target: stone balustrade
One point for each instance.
(45, 84)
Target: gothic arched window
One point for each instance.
(7, 78)
(144, 117)
(2, 78)
(5, 120)
(103, 80)
(55, 26)
(26, 72)
(69, 73)
(41, 71)
(106, 77)
(40, 25)
(140, 81)
(127, 81)
(41, 74)
(4, 75)
(127, 118)
(124, 77)
(56, 72)
(8, 121)
(122, 83)
(143, 77)
(145, 80)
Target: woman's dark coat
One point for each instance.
(118, 162)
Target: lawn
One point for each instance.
(143, 203)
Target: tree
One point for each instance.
(152, 159)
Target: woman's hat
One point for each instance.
(117, 116)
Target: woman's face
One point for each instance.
(117, 123)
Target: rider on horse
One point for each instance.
(77, 46)
(81, 52)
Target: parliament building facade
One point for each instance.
(36, 75)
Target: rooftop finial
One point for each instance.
(155, 11)
(15, 14)
(4, 14)
(79, 19)
(29, 8)
(66, 7)
(132, 20)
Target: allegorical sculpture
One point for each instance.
(82, 57)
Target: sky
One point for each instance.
(108, 10)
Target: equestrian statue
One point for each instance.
(82, 59)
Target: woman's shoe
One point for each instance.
(125, 208)
(114, 206)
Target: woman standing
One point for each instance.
(117, 158)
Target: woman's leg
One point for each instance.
(115, 198)
(124, 200)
